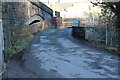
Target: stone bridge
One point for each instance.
(25, 13)
(16, 14)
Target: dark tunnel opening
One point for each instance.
(35, 21)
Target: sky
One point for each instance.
(62, 1)
(79, 9)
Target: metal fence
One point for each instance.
(95, 34)
(1, 50)
(112, 37)
(103, 34)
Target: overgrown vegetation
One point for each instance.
(21, 45)
(20, 37)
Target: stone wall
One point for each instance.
(47, 17)
(14, 13)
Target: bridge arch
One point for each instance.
(34, 19)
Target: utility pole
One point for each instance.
(58, 1)
(48, 1)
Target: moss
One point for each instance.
(107, 47)
(111, 48)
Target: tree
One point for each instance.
(113, 7)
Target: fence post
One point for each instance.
(119, 39)
(106, 35)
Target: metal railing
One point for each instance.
(106, 35)
(112, 37)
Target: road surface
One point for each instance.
(54, 53)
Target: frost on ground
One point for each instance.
(66, 43)
(76, 62)
(43, 39)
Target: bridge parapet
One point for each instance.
(43, 7)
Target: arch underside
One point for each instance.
(34, 19)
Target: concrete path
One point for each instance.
(55, 53)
